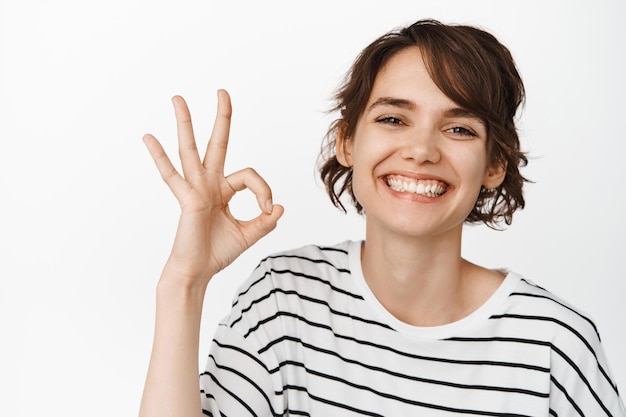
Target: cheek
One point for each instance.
(370, 150)
(365, 172)
(472, 164)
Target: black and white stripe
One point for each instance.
(305, 338)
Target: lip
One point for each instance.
(415, 177)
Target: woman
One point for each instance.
(399, 324)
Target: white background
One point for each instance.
(86, 223)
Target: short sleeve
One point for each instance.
(236, 382)
(581, 382)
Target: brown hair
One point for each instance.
(475, 71)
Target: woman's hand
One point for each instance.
(208, 237)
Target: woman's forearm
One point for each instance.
(172, 387)
(208, 239)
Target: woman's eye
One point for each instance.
(462, 131)
(389, 120)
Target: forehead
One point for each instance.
(405, 76)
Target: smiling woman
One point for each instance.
(399, 323)
(475, 73)
(420, 147)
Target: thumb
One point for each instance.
(263, 224)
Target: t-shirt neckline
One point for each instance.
(457, 328)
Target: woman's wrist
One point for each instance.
(179, 278)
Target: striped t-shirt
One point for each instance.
(306, 337)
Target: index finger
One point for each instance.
(218, 143)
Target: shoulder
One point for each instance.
(281, 280)
(579, 370)
(533, 302)
(304, 265)
(539, 314)
(309, 256)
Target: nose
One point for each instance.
(422, 146)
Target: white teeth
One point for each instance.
(429, 188)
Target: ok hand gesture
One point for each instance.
(208, 237)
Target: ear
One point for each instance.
(343, 148)
(495, 175)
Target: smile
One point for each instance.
(428, 188)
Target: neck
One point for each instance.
(423, 281)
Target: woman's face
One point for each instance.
(418, 159)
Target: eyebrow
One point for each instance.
(393, 101)
(461, 112)
(410, 105)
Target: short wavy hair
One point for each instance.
(474, 70)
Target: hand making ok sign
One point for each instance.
(209, 237)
